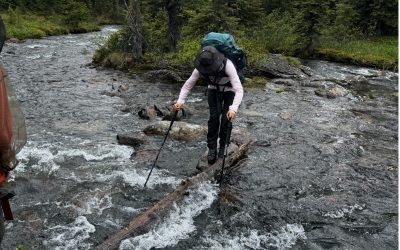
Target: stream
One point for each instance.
(322, 173)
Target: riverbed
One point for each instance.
(322, 173)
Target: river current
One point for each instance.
(321, 174)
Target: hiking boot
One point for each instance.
(212, 155)
(221, 152)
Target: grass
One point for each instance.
(293, 60)
(255, 82)
(380, 52)
(31, 25)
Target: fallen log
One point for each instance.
(143, 222)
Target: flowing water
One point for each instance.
(322, 173)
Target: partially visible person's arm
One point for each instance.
(186, 88)
(231, 72)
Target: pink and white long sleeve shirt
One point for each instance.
(232, 77)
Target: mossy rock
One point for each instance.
(255, 82)
(293, 60)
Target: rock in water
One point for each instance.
(134, 140)
(180, 130)
(332, 92)
(163, 75)
(276, 66)
(166, 113)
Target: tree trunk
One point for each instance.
(134, 23)
(173, 8)
(218, 10)
(143, 222)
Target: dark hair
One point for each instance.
(2, 33)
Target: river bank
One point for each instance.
(378, 52)
(21, 25)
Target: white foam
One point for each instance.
(178, 225)
(48, 161)
(134, 177)
(33, 46)
(344, 211)
(193, 100)
(284, 238)
(43, 156)
(100, 152)
(111, 29)
(83, 44)
(71, 236)
(33, 57)
(96, 203)
(115, 223)
(365, 72)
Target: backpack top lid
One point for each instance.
(2, 34)
(209, 61)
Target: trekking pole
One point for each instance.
(228, 140)
(162, 145)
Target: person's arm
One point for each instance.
(186, 88)
(231, 72)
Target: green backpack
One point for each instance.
(225, 43)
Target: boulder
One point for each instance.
(111, 93)
(307, 70)
(14, 40)
(312, 83)
(286, 82)
(358, 79)
(132, 139)
(331, 91)
(166, 113)
(276, 66)
(163, 75)
(179, 131)
(148, 113)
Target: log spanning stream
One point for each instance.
(321, 173)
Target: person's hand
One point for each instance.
(178, 106)
(231, 115)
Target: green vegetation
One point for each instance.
(34, 19)
(29, 25)
(167, 33)
(293, 60)
(20, 247)
(280, 90)
(378, 51)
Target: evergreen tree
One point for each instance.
(377, 17)
(174, 11)
(343, 27)
(383, 18)
(135, 28)
(309, 22)
(248, 12)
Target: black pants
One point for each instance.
(218, 103)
